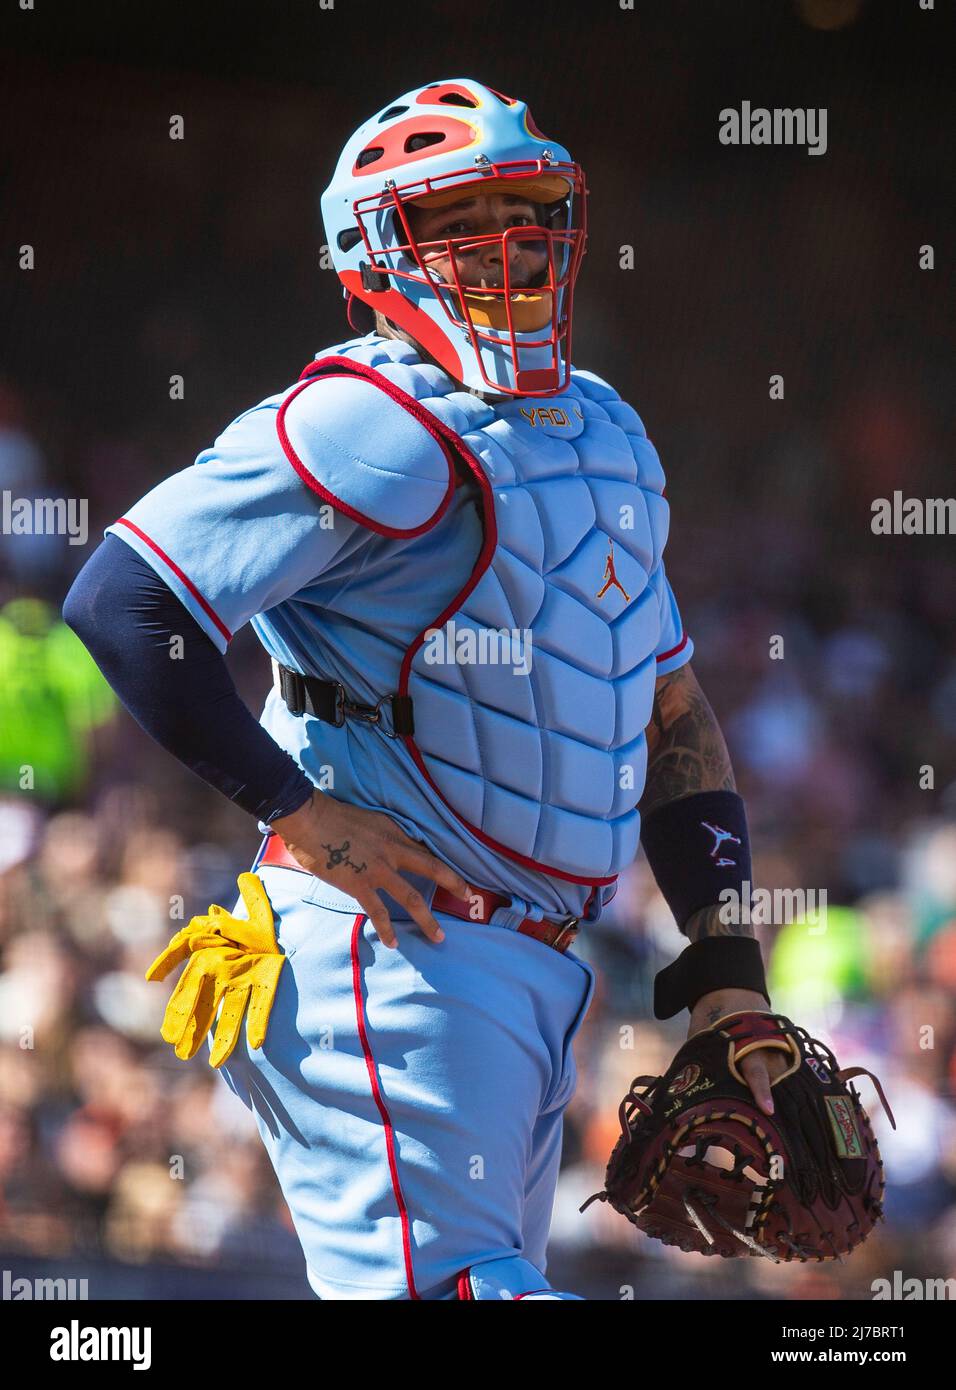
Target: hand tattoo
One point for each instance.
(339, 855)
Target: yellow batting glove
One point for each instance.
(232, 961)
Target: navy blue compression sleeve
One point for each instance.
(126, 616)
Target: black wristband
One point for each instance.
(714, 962)
(698, 847)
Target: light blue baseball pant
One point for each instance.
(411, 1100)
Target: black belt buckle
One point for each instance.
(330, 702)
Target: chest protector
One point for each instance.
(531, 691)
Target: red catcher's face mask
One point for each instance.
(499, 254)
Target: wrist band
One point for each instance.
(698, 847)
(715, 962)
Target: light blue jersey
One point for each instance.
(289, 529)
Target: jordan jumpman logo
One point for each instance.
(610, 575)
(720, 835)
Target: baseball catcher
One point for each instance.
(449, 539)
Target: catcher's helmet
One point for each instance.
(437, 145)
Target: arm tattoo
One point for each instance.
(686, 750)
(687, 754)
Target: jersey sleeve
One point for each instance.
(675, 647)
(238, 533)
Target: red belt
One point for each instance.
(479, 908)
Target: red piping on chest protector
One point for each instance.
(451, 445)
(331, 367)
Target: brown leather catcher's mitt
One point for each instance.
(699, 1166)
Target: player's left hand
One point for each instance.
(760, 1067)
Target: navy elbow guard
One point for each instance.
(698, 848)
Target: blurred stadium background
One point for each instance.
(202, 257)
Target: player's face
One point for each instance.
(481, 214)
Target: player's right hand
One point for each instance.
(363, 852)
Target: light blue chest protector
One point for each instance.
(532, 688)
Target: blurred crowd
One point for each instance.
(111, 1149)
(826, 651)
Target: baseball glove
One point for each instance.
(700, 1166)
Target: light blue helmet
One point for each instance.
(493, 309)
